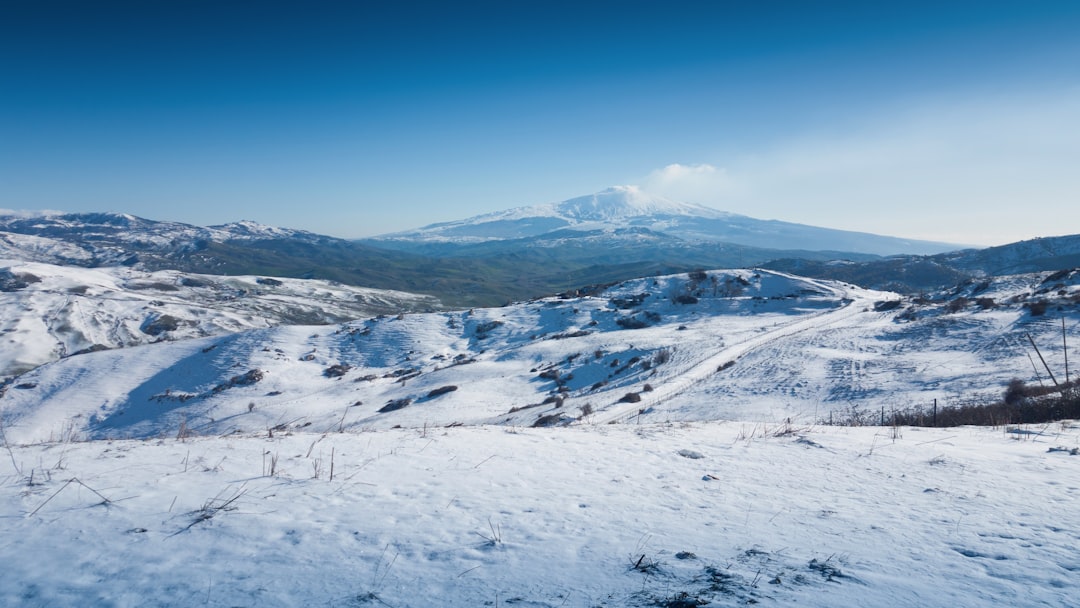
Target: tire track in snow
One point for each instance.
(705, 369)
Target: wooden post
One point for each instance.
(1065, 346)
(935, 411)
(1037, 352)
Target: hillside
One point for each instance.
(914, 274)
(51, 312)
(496, 456)
(741, 345)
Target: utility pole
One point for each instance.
(1065, 346)
(1032, 340)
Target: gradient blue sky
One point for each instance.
(955, 121)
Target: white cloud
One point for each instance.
(29, 213)
(981, 170)
(700, 183)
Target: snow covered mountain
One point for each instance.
(627, 207)
(112, 239)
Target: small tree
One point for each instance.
(1015, 392)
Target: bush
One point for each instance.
(1020, 405)
(685, 299)
(1037, 308)
(246, 379)
(662, 356)
(957, 305)
(337, 371)
(631, 398)
(549, 420)
(395, 404)
(13, 281)
(628, 302)
(442, 390)
(1016, 392)
(159, 325)
(887, 305)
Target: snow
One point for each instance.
(63, 310)
(755, 346)
(257, 468)
(619, 209)
(623, 202)
(596, 515)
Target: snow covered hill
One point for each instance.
(627, 207)
(653, 444)
(723, 345)
(51, 312)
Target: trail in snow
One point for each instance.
(705, 369)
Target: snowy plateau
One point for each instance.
(663, 441)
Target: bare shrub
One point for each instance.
(698, 275)
(395, 404)
(442, 390)
(337, 371)
(662, 356)
(957, 305)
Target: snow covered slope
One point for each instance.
(626, 207)
(740, 345)
(50, 312)
(269, 476)
(652, 515)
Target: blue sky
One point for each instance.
(953, 121)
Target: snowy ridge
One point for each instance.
(105, 239)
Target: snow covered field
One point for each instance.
(606, 515)
(494, 457)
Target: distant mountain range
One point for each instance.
(623, 210)
(614, 235)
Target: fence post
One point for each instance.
(935, 412)
(883, 415)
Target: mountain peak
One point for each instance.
(620, 208)
(621, 202)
